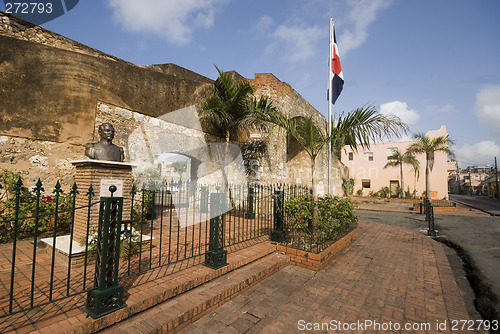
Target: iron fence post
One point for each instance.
(203, 199)
(277, 234)
(429, 217)
(107, 294)
(216, 257)
(250, 214)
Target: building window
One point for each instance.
(351, 156)
(369, 156)
(391, 151)
(365, 184)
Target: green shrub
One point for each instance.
(348, 186)
(27, 210)
(335, 216)
(384, 192)
(359, 192)
(299, 213)
(143, 210)
(408, 193)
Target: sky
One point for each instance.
(430, 62)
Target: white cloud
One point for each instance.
(400, 109)
(487, 107)
(263, 24)
(481, 153)
(172, 19)
(362, 13)
(297, 43)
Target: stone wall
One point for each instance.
(293, 164)
(55, 92)
(50, 87)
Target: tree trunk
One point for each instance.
(224, 175)
(313, 178)
(428, 181)
(315, 196)
(415, 186)
(402, 183)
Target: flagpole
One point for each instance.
(330, 70)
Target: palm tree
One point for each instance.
(428, 146)
(233, 108)
(179, 167)
(362, 127)
(311, 138)
(358, 128)
(397, 159)
(416, 172)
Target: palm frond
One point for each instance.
(309, 135)
(362, 127)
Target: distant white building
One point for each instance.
(367, 168)
(171, 165)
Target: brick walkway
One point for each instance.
(388, 275)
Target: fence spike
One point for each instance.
(18, 186)
(57, 189)
(74, 190)
(38, 187)
(90, 193)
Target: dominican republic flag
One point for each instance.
(336, 76)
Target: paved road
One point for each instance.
(486, 204)
(479, 236)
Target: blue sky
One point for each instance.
(431, 62)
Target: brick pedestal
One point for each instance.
(97, 173)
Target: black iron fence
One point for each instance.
(48, 255)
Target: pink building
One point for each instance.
(367, 168)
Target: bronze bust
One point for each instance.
(105, 149)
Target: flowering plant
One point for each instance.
(129, 241)
(317, 220)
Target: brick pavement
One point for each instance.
(374, 204)
(388, 274)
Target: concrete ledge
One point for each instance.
(416, 208)
(316, 261)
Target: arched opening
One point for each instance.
(293, 147)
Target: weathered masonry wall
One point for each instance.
(41, 75)
(54, 92)
(49, 89)
(293, 164)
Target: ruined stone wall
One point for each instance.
(54, 92)
(50, 87)
(12, 26)
(294, 165)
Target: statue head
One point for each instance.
(105, 149)
(107, 131)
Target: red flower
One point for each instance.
(47, 199)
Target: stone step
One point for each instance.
(163, 287)
(178, 312)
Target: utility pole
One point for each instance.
(480, 188)
(470, 183)
(496, 176)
